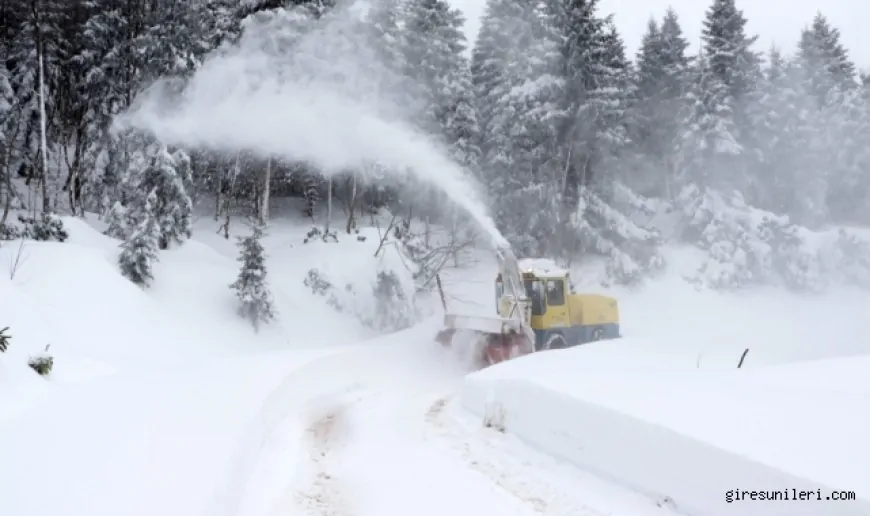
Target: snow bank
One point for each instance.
(72, 296)
(149, 445)
(692, 435)
(152, 391)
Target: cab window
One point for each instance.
(535, 291)
(555, 292)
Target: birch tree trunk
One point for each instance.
(328, 204)
(43, 145)
(267, 181)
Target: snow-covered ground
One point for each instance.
(165, 402)
(765, 429)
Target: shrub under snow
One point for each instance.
(746, 246)
(44, 227)
(611, 223)
(252, 290)
(378, 289)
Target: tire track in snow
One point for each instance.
(436, 417)
(531, 479)
(323, 496)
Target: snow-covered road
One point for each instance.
(383, 436)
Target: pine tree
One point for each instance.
(841, 136)
(439, 76)
(609, 101)
(605, 221)
(155, 169)
(436, 64)
(824, 61)
(708, 146)
(516, 91)
(385, 36)
(251, 287)
(786, 141)
(728, 49)
(662, 81)
(733, 63)
(506, 35)
(139, 251)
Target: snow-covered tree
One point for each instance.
(825, 61)
(842, 118)
(251, 287)
(728, 49)
(139, 250)
(435, 62)
(661, 84)
(733, 65)
(7, 128)
(385, 35)
(152, 168)
(516, 91)
(709, 147)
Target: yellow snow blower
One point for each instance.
(537, 310)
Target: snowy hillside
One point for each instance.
(167, 397)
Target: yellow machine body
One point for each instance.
(561, 317)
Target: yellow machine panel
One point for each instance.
(589, 309)
(538, 322)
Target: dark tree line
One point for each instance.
(585, 150)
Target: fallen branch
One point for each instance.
(742, 358)
(386, 234)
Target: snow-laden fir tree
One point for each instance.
(139, 250)
(731, 60)
(728, 49)
(842, 119)
(435, 62)
(440, 78)
(708, 148)
(167, 174)
(785, 124)
(506, 38)
(384, 35)
(150, 168)
(609, 219)
(661, 83)
(516, 91)
(251, 287)
(825, 61)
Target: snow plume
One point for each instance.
(304, 89)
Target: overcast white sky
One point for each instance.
(774, 21)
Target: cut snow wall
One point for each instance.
(649, 458)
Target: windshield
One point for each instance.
(555, 292)
(535, 291)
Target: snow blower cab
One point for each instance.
(536, 309)
(560, 317)
(492, 339)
